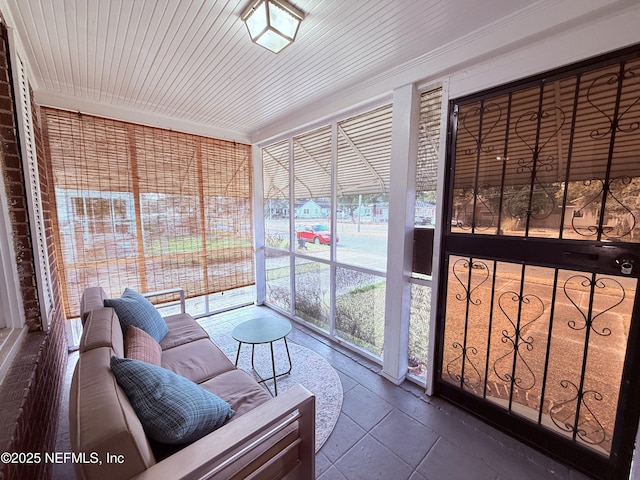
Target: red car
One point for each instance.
(318, 234)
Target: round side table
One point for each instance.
(264, 330)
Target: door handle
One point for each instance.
(626, 263)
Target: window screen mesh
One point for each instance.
(148, 209)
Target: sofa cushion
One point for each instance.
(133, 309)
(92, 298)
(239, 389)
(182, 329)
(139, 345)
(102, 420)
(102, 329)
(198, 360)
(171, 408)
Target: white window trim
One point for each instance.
(12, 314)
(258, 226)
(24, 117)
(444, 122)
(406, 117)
(396, 333)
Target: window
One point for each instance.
(333, 273)
(313, 169)
(149, 209)
(425, 214)
(364, 153)
(11, 315)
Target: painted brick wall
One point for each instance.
(31, 392)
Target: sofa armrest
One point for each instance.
(209, 457)
(168, 291)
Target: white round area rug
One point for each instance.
(308, 369)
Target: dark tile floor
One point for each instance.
(394, 432)
(391, 432)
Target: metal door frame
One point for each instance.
(550, 253)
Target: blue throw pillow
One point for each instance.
(171, 408)
(134, 309)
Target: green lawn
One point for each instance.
(192, 244)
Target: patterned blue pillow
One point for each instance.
(171, 408)
(134, 309)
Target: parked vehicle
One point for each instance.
(318, 234)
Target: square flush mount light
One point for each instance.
(272, 23)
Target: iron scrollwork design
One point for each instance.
(463, 265)
(589, 322)
(481, 112)
(465, 218)
(464, 360)
(471, 197)
(616, 123)
(588, 428)
(543, 202)
(563, 413)
(594, 203)
(504, 365)
(460, 267)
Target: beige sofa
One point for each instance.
(266, 438)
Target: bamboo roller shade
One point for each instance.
(148, 208)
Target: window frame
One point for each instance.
(396, 335)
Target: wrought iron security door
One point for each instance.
(539, 308)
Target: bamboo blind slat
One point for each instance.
(148, 208)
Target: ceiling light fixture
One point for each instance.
(272, 24)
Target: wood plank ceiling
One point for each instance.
(192, 60)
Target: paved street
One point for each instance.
(364, 245)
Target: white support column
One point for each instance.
(404, 150)
(258, 225)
